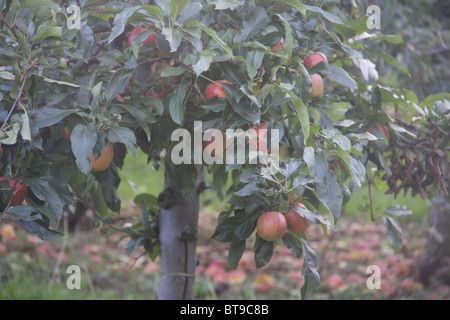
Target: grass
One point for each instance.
(359, 204)
(139, 177)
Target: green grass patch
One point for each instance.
(359, 204)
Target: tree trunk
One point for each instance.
(178, 221)
(435, 262)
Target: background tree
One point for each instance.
(72, 96)
(426, 56)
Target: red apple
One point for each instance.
(278, 46)
(317, 86)
(271, 226)
(296, 223)
(19, 193)
(150, 40)
(314, 59)
(214, 89)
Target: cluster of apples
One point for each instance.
(273, 225)
(316, 78)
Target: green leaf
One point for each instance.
(295, 4)
(176, 7)
(247, 190)
(227, 4)
(215, 104)
(142, 116)
(154, 11)
(213, 35)
(237, 248)
(292, 166)
(312, 216)
(40, 229)
(109, 181)
(329, 16)
(309, 271)
(33, 4)
(330, 194)
(176, 106)
(432, 99)
(225, 229)
(149, 199)
(25, 213)
(99, 201)
(398, 210)
(123, 135)
(173, 72)
(340, 76)
(337, 137)
(263, 252)
(253, 23)
(120, 21)
(47, 32)
(204, 61)
(293, 243)
(396, 39)
(46, 116)
(83, 139)
(189, 11)
(117, 83)
(43, 190)
(10, 137)
(173, 36)
(302, 112)
(394, 233)
(25, 131)
(6, 75)
(316, 161)
(289, 41)
(392, 61)
(254, 60)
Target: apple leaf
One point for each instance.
(263, 252)
(83, 139)
(237, 248)
(176, 106)
(309, 271)
(212, 33)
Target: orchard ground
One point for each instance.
(34, 269)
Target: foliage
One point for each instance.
(92, 83)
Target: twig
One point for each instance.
(19, 96)
(9, 27)
(135, 260)
(432, 51)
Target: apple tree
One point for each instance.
(77, 79)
